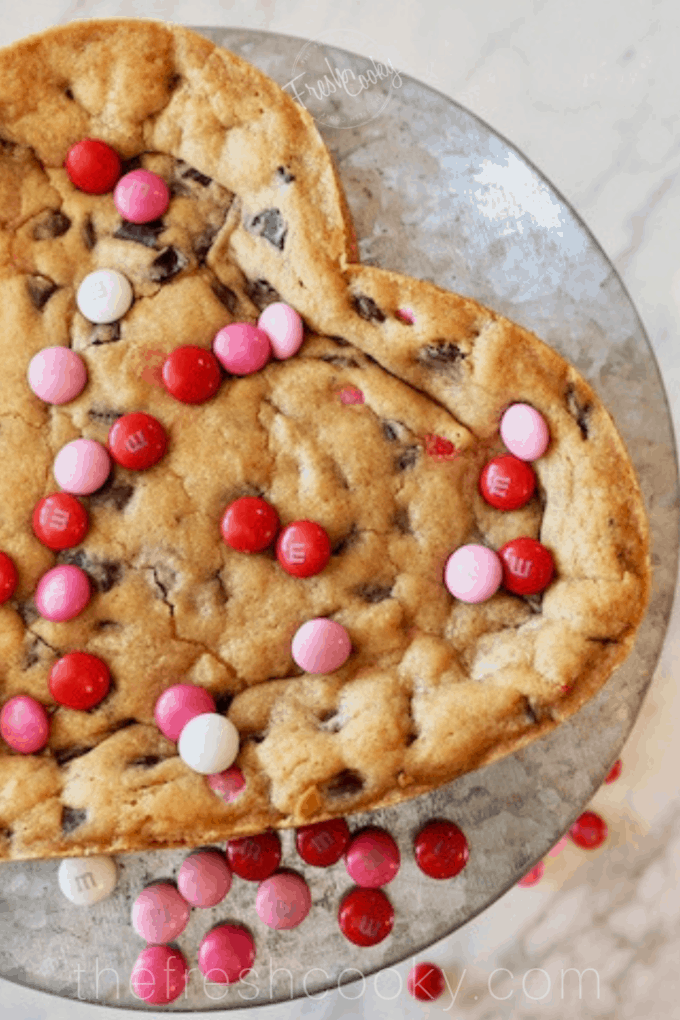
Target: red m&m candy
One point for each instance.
(366, 916)
(79, 680)
(255, 857)
(426, 982)
(614, 772)
(8, 577)
(533, 876)
(191, 374)
(507, 482)
(93, 166)
(589, 830)
(527, 566)
(441, 849)
(249, 524)
(303, 548)
(60, 521)
(137, 441)
(322, 843)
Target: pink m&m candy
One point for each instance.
(57, 375)
(525, 432)
(228, 784)
(226, 954)
(321, 645)
(283, 900)
(159, 975)
(283, 326)
(473, 573)
(82, 466)
(178, 704)
(204, 878)
(62, 593)
(141, 196)
(24, 724)
(160, 913)
(372, 858)
(242, 348)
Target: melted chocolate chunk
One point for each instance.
(340, 341)
(6, 833)
(104, 415)
(347, 542)
(169, 263)
(373, 592)
(133, 163)
(147, 761)
(604, 640)
(174, 81)
(270, 225)
(71, 818)
(261, 293)
(105, 333)
(53, 224)
(579, 411)
(124, 724)
(28, 613)
(67, 754)
(366, 307)
(40, 290)
(329, 721)
(226, 295)
(203, 244)
(255, 738)
(6, 146)
(223, 702)
(402, 522)
(530, 712)
(337, 359)
(196, 175)
(407, 458)
(34, 653)
(88, 233)
(105, 624)
(284, 175)
(441, 354)
(110, 494)
(345, 784)
(69, 94)
(535, 602)
(391, 430)
(142, 233)
(103, 574)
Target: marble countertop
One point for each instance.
(588, 92)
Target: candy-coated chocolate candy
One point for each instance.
(60, 521)
(159, 975)
(160, 913)
(82, 466)
(366, 916)
(8, 577)
(589, 830)
(351, 395)
(283, 326)
(57, 374)
(242, 348)
(559, 847)
(191, 374)
(525, 432)
(283, 900)
(229, 784)
(303, 548)
(79, 680)
(204, 878)
(87, 880)
(141, 196)
(62, 593)
(322, 843)
(92, 166)
(137, 441)
(426, 982)
(372, 858)
(441, 849)
(104, 295)
(405, 315)
(255, 857)
(473, 573)
(533, 876)
(249, 524)
(321, 645)
(208, 743)
(507, 482)
(226, 954)
(24, 724)
(527, 566)
(615, 771)
(178, 704)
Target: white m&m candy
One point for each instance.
(104, 295)
(208, 743)
(86, 880)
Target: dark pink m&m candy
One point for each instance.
(24, 724)
(226, 954)
(372, 858)
(159, 975)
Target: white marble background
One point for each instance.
(589, 91)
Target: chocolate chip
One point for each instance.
(402, 522)
(261, 293)
(88, 233)
(53, 224)
(223, 703)
(407, 458)
(270, 225)
(105, 333)
(578, 410)
(255, 738)
(123, 724)
(71, 818)
(441, 354)
(330, 722)
(128, 165)
(6, 833)
(284, 175)
(67, 754)
(169, 263)
(147, 761)
(103, 574)
(34, 653)
(173, 82)
(104, 415)
(226, 295)
(337, 359)
(204, 242)
(366, 307)
(340, 341)
(196, 175)
(40, 290)
(28, 613)
(373, 592)
(535, 602)
(142, 233)
(6, 146)
(106, 624)
(529, 711)
(604, 640)
(391, 430)
(347, 542)
(110, 494)
(344, 784)
(69, 94)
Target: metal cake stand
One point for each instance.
(437, 194)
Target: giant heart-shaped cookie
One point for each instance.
(434, 686)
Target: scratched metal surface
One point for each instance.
(437, 194)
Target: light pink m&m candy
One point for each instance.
(372, 858)
(57, 375)
(525, 432)
(321, 645)
(24, 724)
(242, 348)
(283, 326)
(141, 196)
(226, 954)
(204, 878)
(178, 704)
(283, 900)
(159, 975)
(82, 466)
(160, 913)
(473, 573)
(62, 593)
